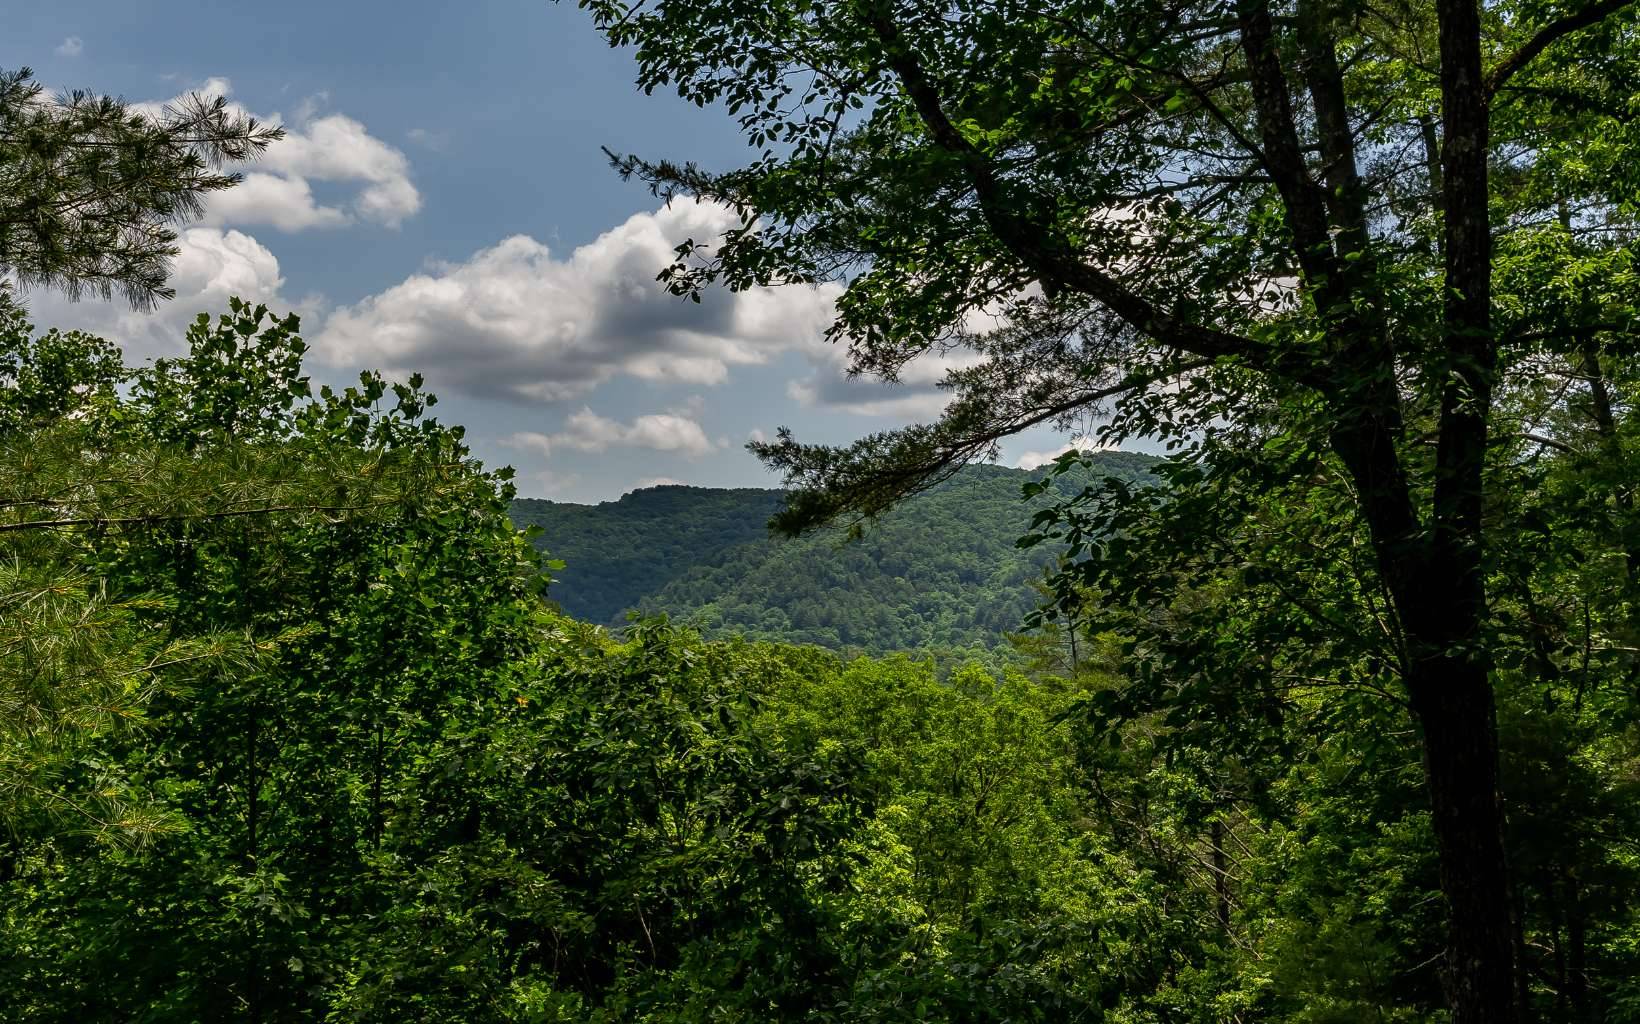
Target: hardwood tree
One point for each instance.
(98, 461)
(1361, 218)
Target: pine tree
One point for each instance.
(91, 188)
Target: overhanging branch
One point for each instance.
(1056, 266)
(1591, 15)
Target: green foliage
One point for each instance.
(385, 781)
(90, 188)
(1252, 639)
(982, 891)
(44, 379)
(942, 572)
(1382, 303)
(225, 442)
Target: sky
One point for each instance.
(442, 204)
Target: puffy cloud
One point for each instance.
(332, 149)
(73, 46)
(214, 264)
(285, 203)
(662, 432)
(517, 322)
(529, 441)
(550, 484)
(916, 395)
(214, 261)
(587, 431)
(211, 266)
(864, 397)
(338, 148)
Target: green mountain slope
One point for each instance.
(618, 552)
(940, 571)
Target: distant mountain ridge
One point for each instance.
(940, 571)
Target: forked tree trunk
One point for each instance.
(1434, 566)
(1439, 594)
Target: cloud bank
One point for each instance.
(518, 322)
(215, 260)
(1036, 460)
(587, 431)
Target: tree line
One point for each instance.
(1337, 723)
(339, 759)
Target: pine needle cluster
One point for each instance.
(93, 188)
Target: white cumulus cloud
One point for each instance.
(530, 441)
(655, 481)
(73, 46)
(519, 322)
(285, 203)
(661, 432)
(211, 266)
(338, 148)
(587, 431)
(216, 261)
(365, 178)
(1036, 460)
(916, 395)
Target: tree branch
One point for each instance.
(1591, 15)
(1056, 266)
(1283, 152)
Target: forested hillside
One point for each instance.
(943, 570)
(1330, 716)
(314, 749)
(617, 552)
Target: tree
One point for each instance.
(258, 605)
(1344, 228)
(98, 464)
(90, 187)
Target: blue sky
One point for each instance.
(442, 205)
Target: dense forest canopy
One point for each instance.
(358, 769)
(1328, 716)
(942, 571)
(1352, 258)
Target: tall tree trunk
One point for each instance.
(1453, 699)
(1439, 595)
(1577, 932)
(1449, 671)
